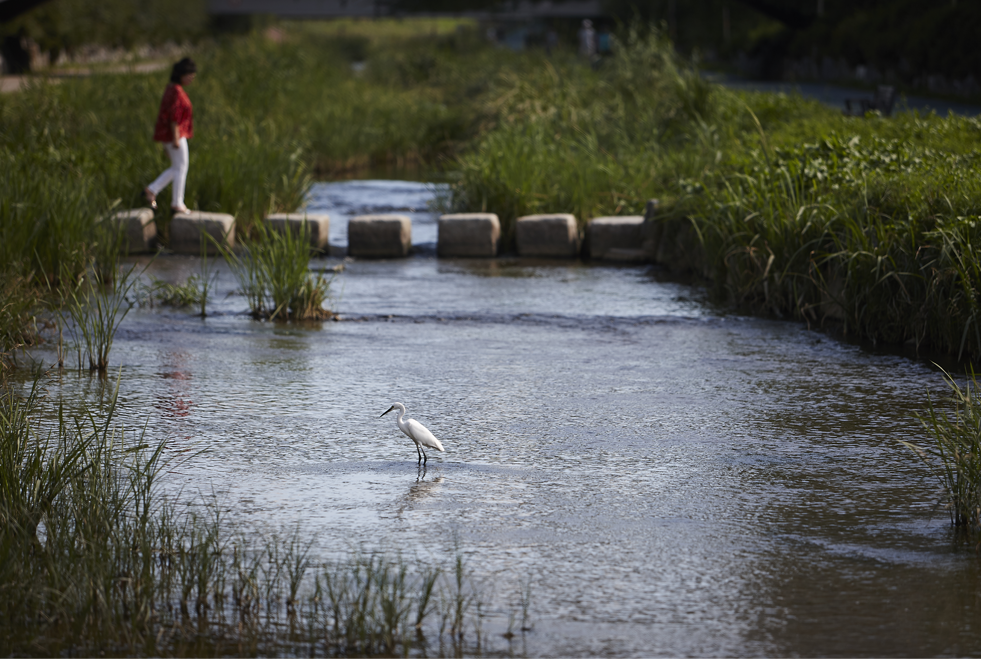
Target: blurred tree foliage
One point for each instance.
(911, 37)
(66, 25)
(915, 37)
(720, 26)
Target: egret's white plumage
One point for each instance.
(417, 432)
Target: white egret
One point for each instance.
(417, 432)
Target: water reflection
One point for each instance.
(174, 400)
(419, 492)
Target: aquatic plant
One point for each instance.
(955, 454)
(96, 308)
(195, 291)
(190, 293)
(876, 234)
(273, 271)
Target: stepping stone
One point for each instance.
(317, 223)
(139, 231)
(379, 236)
(186, 230)
(618, 238)
(547, 235)
(468, 234)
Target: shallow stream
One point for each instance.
(670, 479)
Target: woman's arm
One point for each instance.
(176, 132)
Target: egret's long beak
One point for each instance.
(387, 411)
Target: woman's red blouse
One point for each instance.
(175, 107)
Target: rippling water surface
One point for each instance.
(671, 480)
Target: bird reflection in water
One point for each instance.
(419, 491)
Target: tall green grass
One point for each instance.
(876, 233)
(274, 275)
(19, 300)
(95, 561)
(93, 311)
(571, 139)
(955, 454)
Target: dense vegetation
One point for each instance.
(954, 451)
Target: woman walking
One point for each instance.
(174, 127)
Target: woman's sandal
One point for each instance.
(150, 198)
(183, 210)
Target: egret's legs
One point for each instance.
(425, 458)
(418, 453)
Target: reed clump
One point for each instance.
(955, 452)
(189, 294)
(93, 310)
(95, 561)
(196, 290)
(274, 274)
(19, 302)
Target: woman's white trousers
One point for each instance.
(176, 173)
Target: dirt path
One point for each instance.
(9, 84)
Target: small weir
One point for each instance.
(666, 478)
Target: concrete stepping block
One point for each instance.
(186, 230)
(139, 231)
(547, 235)
(317, 223)
(379, 236)
(619, 238)
(468, 234)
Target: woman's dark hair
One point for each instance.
(181, 69)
